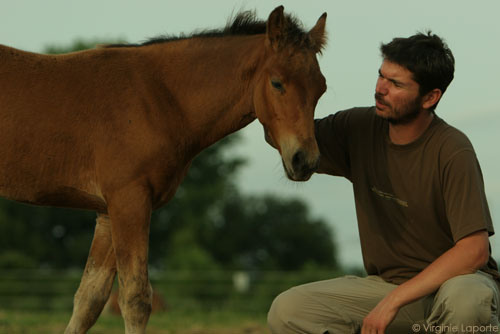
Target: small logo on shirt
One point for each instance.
(390, 197)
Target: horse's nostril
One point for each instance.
(298, 160)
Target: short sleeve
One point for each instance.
(465, 200)
(332, 137)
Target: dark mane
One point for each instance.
(245, 23)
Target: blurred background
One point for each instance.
(237, 225)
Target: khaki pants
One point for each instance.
(463, 304)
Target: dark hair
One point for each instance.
(244, 23)
(427, 56)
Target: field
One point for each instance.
(203, 302)
(213, 322)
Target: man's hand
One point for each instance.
(380, 317)
(467, 256)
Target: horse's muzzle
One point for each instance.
(301, 167)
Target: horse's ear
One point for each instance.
(317, 34)
(275, 27)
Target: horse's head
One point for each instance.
(288, 91)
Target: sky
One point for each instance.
(350, 64)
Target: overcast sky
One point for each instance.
(349, 63)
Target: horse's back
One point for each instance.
(68, 121)
(45, 141)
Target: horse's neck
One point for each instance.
(213, 83)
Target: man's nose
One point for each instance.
(381, 87)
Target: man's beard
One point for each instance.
(404, 114)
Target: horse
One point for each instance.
(114, 129)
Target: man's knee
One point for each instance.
(297, 311)
(283, 310)
(464, 300)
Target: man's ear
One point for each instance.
(431, 98)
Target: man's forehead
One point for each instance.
(395, 71)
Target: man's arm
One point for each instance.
(331, 136)
(467, 256)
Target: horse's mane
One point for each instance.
(244, 23)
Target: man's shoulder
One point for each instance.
(359, 112)
(451, 138)
(348, 116)
(450, 141)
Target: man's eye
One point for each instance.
(396, 83)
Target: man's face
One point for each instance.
(397, 95)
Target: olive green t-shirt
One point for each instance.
(414, 201)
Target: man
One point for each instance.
(422, 212)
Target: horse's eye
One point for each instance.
(278, 85)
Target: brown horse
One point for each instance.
(114, 130)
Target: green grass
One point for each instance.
(213, 322)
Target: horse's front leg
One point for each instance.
(97, 280)
(130, 212)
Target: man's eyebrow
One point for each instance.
(400, 83)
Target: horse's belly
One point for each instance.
(71, 198)
(65, 197)
(32, 185)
